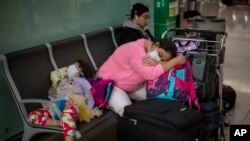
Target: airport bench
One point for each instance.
(27, 72)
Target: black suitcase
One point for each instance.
(212, 122)
(158, 120)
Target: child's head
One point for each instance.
(80, 68)
(165, 49)
(168, 46)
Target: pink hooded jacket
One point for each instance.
(125, 66)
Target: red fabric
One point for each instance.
(69, 116)
(42, 115)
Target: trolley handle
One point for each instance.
(196, 30)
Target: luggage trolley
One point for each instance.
(211, 42)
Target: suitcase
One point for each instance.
(212, 121)
(158, 120)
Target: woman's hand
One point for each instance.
(149, 61)
(180, 59)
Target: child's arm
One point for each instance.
(88, 94)
(89, 99)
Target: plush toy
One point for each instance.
(65, 91)
(58, 75)
(85, 114)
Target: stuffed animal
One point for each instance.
(58, 75)
(62, 88)
(67, 91)
(85, 113)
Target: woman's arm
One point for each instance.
(150, 62)
(150, 72)
(167, 65)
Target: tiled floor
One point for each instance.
(236, 67)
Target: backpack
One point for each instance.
(229, 97)
(176, 84)
(185, 45)
(101, 90)
(205, 76)
(212, 121)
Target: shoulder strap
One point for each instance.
(169, 74)
(165, 77)
(192, 93)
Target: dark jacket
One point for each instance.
(132, 32)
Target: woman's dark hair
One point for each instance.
(87, 70)
(168, 46)
(138, 9)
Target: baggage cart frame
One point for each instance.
(216, 48)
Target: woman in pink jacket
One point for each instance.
(133, 63)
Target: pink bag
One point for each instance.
(101, 90)
(176, 84)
